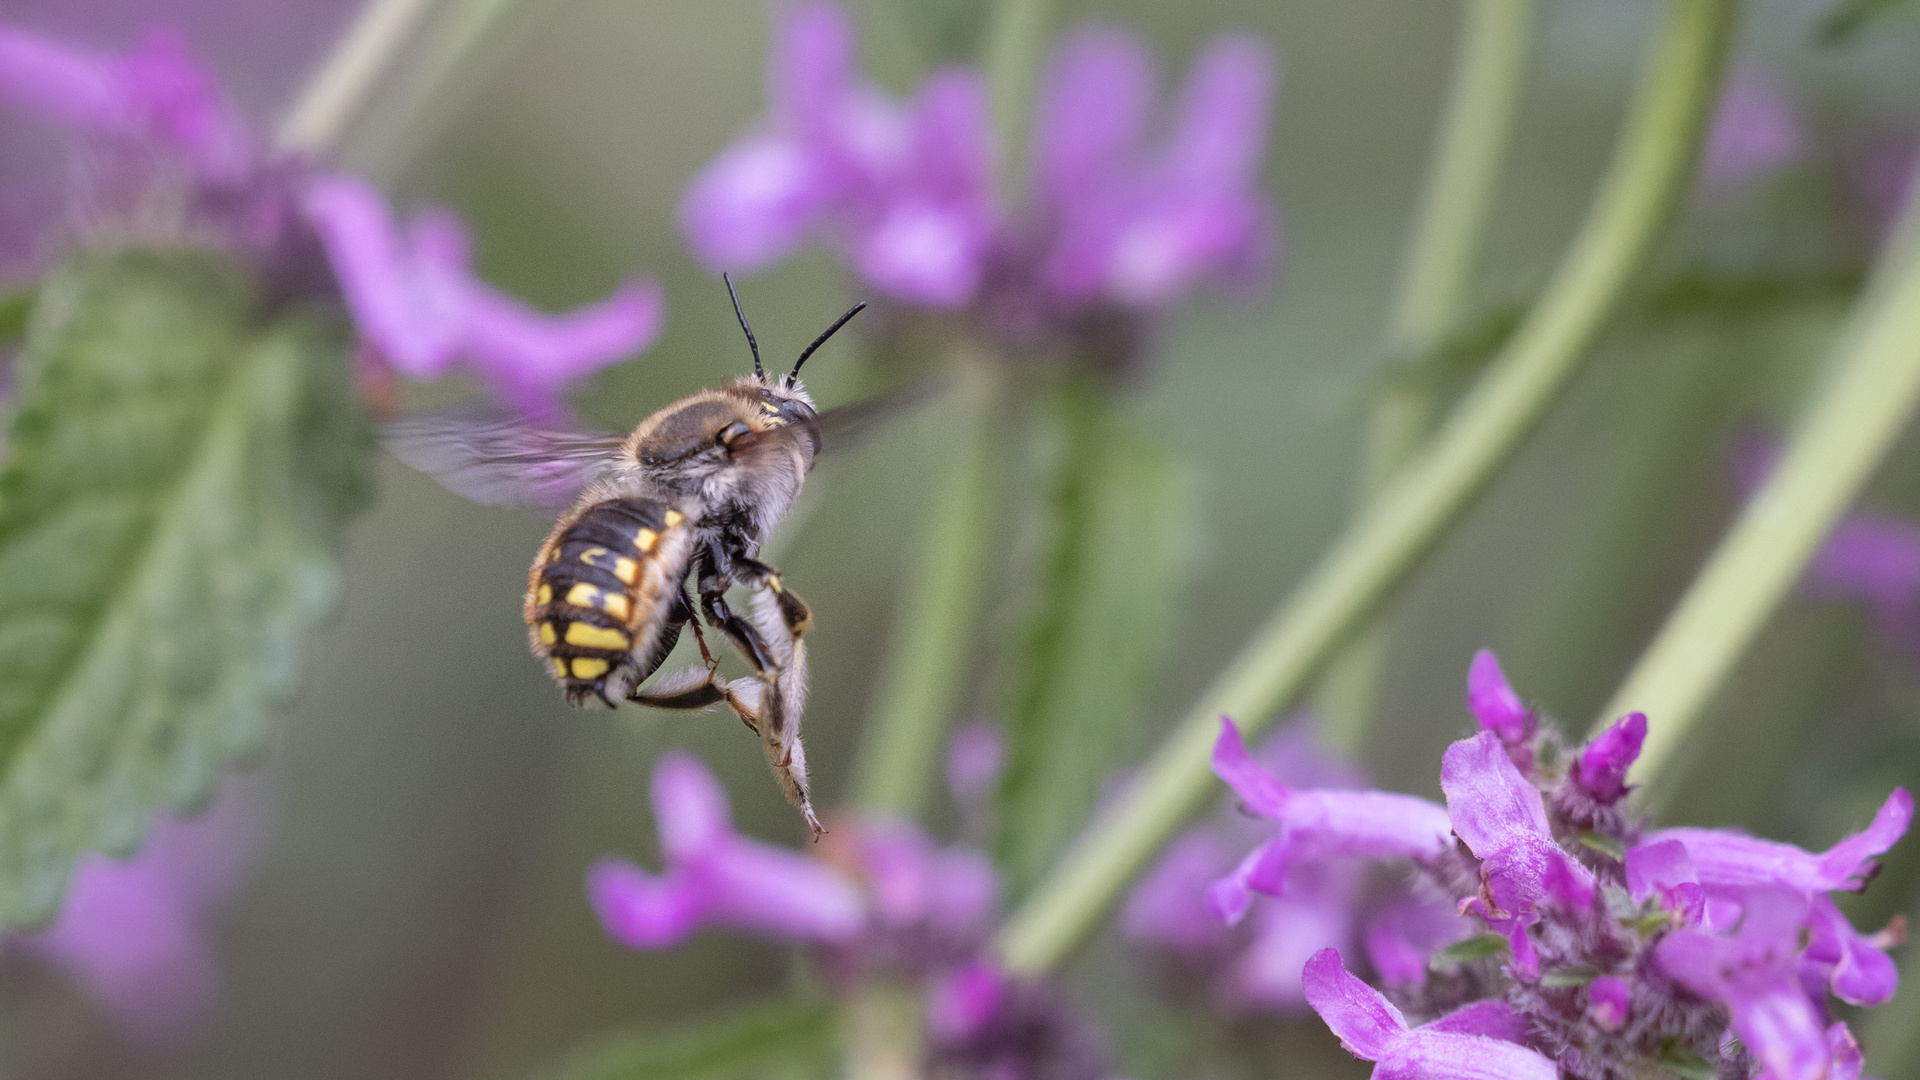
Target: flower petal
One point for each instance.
(776, 892)
(1492, 1019)
(1502, 818)
(1368, 1025)
(689, 808)
(1861, 974)
(1442, 1055)
(1264, 869)
(1259, 790)
(1287, 932)
(1851, 860)
(1729, 860)
(1220, 126)
(754, 203)
(415, 325)
(1609, 1002)
(1092, 109)
(642, 911)
(1602, 768)
(1493, 701)
(525, 355)
(964, 1001)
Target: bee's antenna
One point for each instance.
(822, 339)
(758, 372)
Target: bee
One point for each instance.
(663, 522)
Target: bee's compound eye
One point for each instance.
(726, 435)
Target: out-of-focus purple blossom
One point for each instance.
(975, 757)
(903, 192)
(1756, 130)
(1870, 557)
(1403, 936)
(1883, 176)
(135, 933)
(152, 93)
(964, 1002)
(1722, 946)
(716, 877)
(1136, 227)
(1371, 1028)
(1315, 824)
(413, 293)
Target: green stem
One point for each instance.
(1447, 240)
(883, 1032)
(1016, 36)
(1650, 172)
(318, 121)
(1872, 389)
(922, 679)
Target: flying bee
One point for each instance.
(663, 521)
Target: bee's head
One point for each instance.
(785, 391)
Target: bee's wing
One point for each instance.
(847, 424)
(499, 461)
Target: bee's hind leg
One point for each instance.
(793, 610)
(699, 688)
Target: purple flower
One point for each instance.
(714, 876)
(903, 189)
(152, 94)
(415, 298)
(1727, 860)
(1371, 1028)
(975, 756)
(903, 192)
(1136, 227)
(1495, 704)
(1503, 820)
(1601, 769)
(1756, 130)
(1315, 824)
(1722, 946)
(1755, 972)
(134, 933)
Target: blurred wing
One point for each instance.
(501, 462)
(847, 424)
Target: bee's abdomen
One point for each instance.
(601, 588)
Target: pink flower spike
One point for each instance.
(1494, 703)
(1372, 1029)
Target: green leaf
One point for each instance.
(790, 1038)
(1468, 950)
(1604, 844)
(1685, 1063)
(1849, 17)
(1118, 523)
(1570, 976)
(14, 307)
(175, 470)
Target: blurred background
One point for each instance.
(416, 908)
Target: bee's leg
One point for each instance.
(698, 688)
(745, 638)
(793, 610)
(685, 604)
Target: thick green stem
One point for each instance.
(345, 81)
(933, 645)
(1651, 171)
(1870, 392)
(1447, 240)
(1016, 36)
(883, 1032)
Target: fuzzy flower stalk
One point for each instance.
(1602, 949)
(1120, 225)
